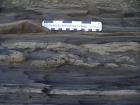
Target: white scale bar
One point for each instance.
(72, 25)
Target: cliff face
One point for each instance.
(116, 15)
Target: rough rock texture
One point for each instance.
(66, 68)
(12, 57)
(53, 55)
(112, 47)
(21, 27)
(127, 6)
(120, 15)
(69, 68)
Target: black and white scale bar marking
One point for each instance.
(58, 25)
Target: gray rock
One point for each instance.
(12, 57)
(100, 10)
(21, 27)
(125, 59)
(24, 45)
(16, 57)
(105, 49)
(3, 57)
(111, 65)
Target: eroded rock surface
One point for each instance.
(115, 54)
(69, 68)
(12, 57)
(120, 15)
(66, 66)
(21, 27)
(112, 47)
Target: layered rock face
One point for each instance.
(67, 69)
(120, 15)
(41, 67)
(46, 55)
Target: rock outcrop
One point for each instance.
(12, 57)
(21, 27)
(112, 47)
(69, 68)
(120, 15)
(46, 55)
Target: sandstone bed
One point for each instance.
(58, 54)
